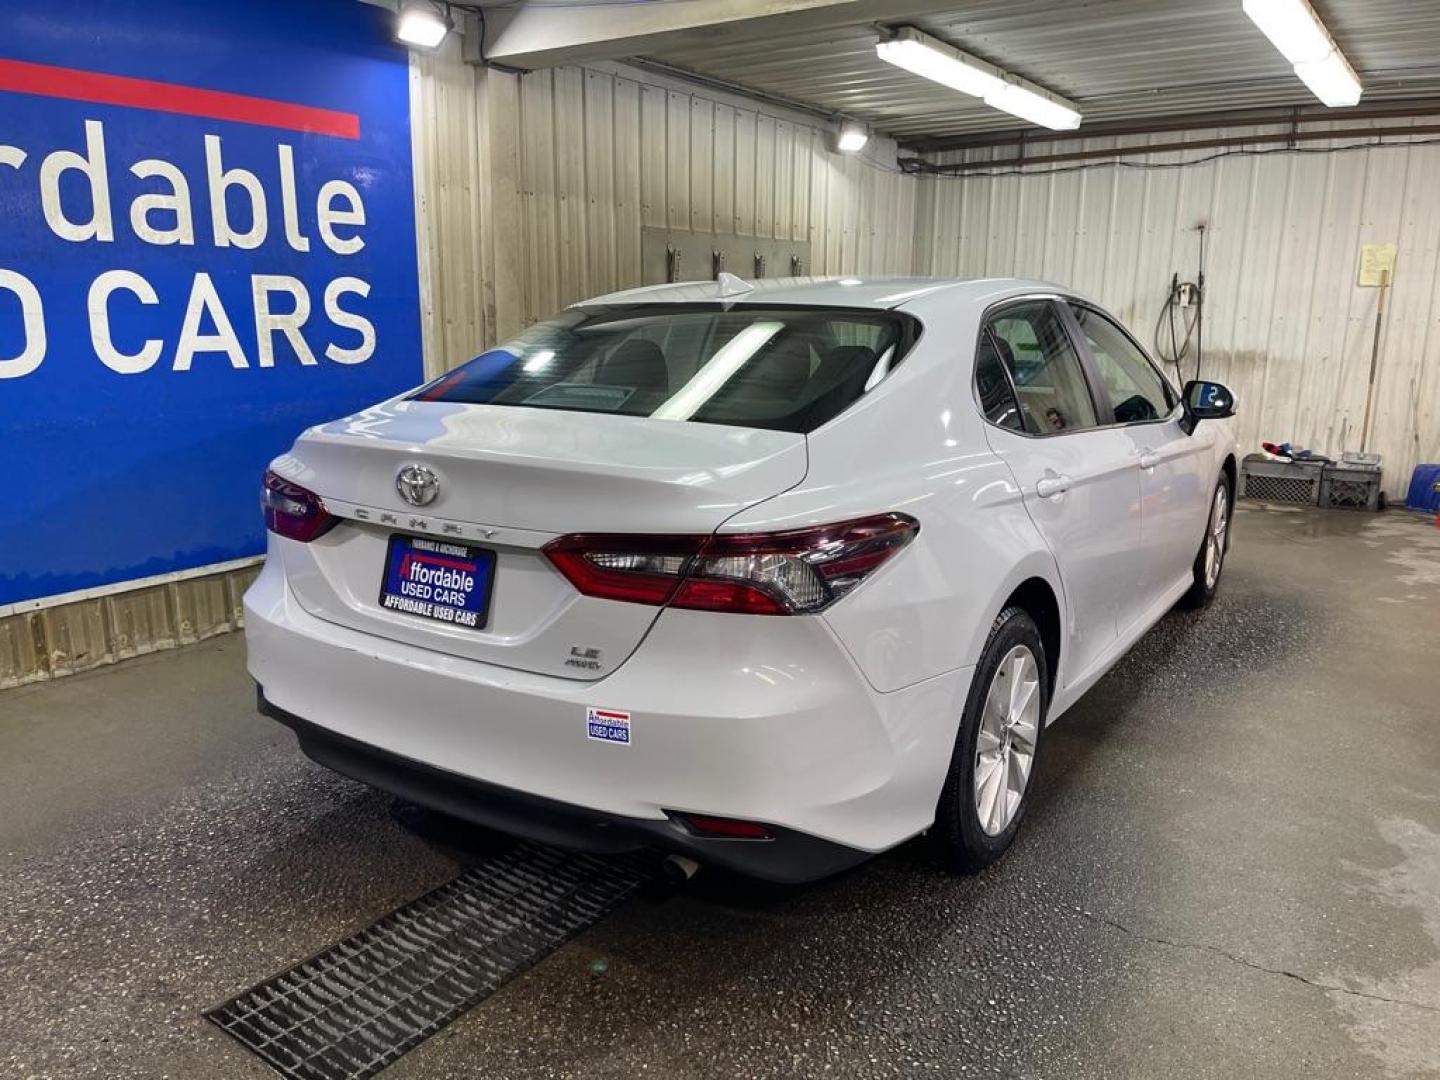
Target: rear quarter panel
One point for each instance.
(916, 445)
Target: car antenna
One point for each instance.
(731, 285)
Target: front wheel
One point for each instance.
(988, 786)
(1210, 560)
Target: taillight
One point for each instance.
(293, 511)
(797, 572)
(641, 569)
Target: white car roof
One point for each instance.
(854, 292)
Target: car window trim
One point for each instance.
(1099, 392)
(987, 317)
(1085, 345)
(985, 332)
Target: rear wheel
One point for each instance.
(1210, 560)
(988, 786)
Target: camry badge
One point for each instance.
(417, 485)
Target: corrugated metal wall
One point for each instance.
(75, 637)
(1286, 327)
(534, 189)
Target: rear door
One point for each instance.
(1175, 481)
(1080, 481)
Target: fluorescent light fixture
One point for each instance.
(929, 57)
(1293, 28)
(421, 24)
(851, 138)
(1331, 80)
(1038, 107)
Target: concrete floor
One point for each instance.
(1232, 869)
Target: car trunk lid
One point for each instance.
(509, 480)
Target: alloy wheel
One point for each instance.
(1005, 745)
(1216, 537)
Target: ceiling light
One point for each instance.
(933, 59)
(1331, 80)
(1038, 107)
(851, 138)
(1293, 27)
(421, 24)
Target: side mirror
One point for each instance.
(1206, 401)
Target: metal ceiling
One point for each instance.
(1122, 60)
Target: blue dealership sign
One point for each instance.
(207, 244)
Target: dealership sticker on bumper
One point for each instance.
(607, 725)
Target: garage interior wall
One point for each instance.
(533, 189)
(1286, 326)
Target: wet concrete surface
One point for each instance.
(1232, 868)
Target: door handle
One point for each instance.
(1047, 487)
(1149, 459)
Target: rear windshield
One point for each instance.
(789, 369)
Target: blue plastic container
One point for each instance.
(1424, 490)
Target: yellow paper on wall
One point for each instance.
(1377, 265)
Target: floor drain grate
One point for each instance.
(359, 1005)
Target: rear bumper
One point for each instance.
(762, 719)
(788, 856)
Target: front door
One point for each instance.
(1175, 484)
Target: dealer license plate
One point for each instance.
(438, 580)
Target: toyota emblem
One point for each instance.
(417, 485)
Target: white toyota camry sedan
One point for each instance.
(775, 576)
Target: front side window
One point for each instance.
(1137, 391)
(1050, 386)
(764, 366)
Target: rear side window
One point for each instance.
(1050, 385)
(992, 384)
(788, 369)
(1137, 391)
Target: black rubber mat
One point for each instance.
(351, 1010)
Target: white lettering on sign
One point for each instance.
(205, 301)
(177, 202)
(92, 165)
(32, 315)
(349, 320)
(329, 217)
(221, 180)
(268, 322)
(104, 344)
(288, 201)
(74, 190)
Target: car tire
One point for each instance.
(1214, 545)
(1000, 729)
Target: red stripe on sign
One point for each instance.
(612, 715)
(440, 560)
(75, 85)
